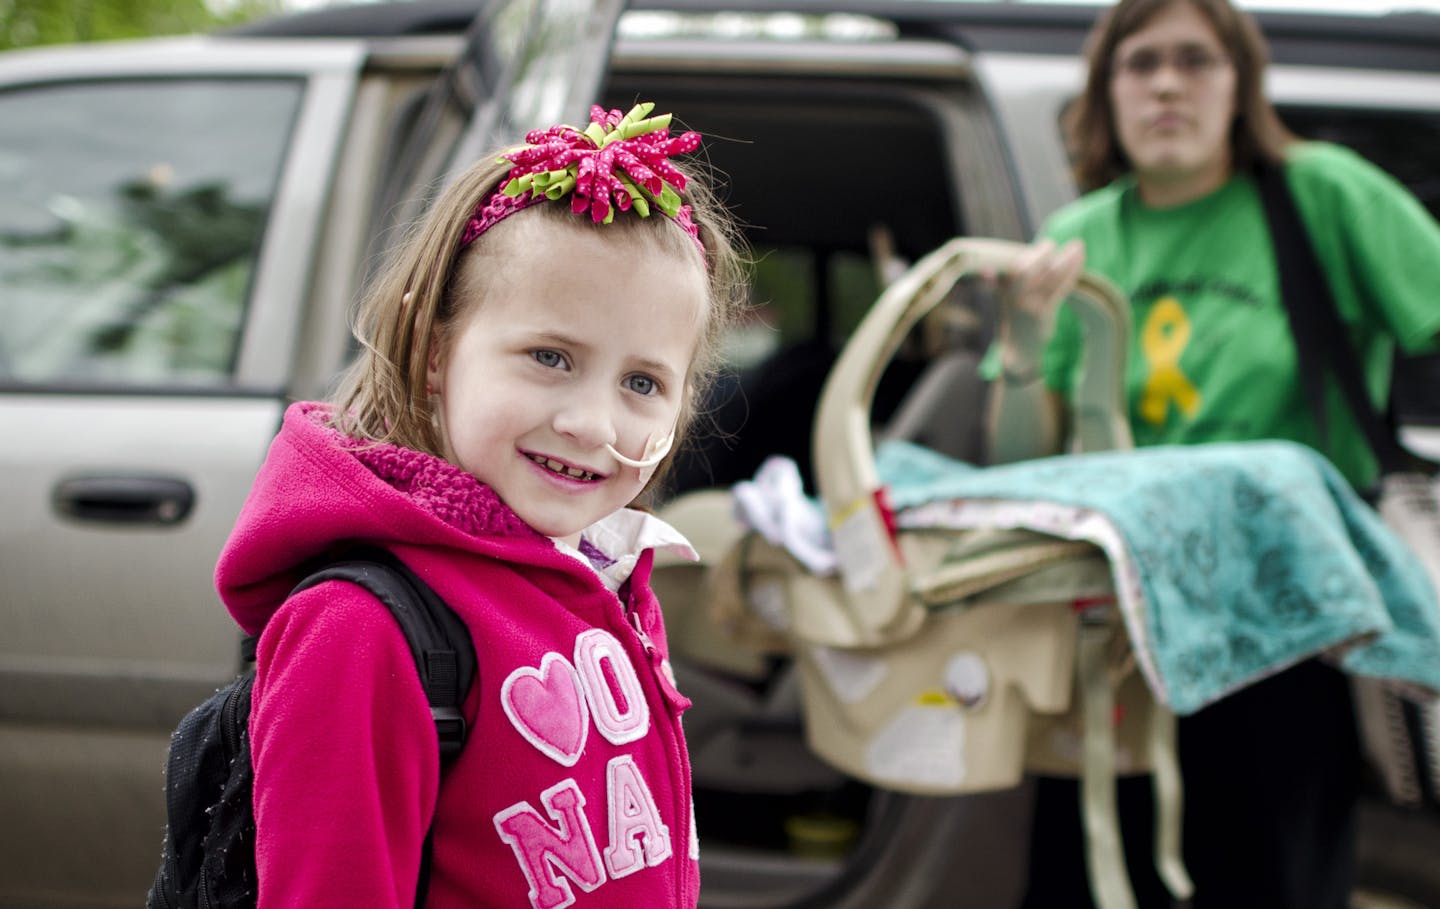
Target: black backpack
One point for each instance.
(208, 857)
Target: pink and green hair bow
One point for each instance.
(618, 162)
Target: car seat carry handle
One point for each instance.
(860, 522)
(875, 578)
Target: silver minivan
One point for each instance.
(185, 222)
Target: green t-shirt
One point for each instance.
(1211, 354)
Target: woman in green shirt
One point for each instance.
(1168, 135)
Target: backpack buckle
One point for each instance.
(450, 728)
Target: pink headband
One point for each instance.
(617, 162)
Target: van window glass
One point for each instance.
(803, 296)
(832, 182)
(1404, 143)
(131, 215)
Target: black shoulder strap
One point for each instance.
(439, 641)
(1315, 322)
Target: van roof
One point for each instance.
(1393, 40)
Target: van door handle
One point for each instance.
(124, 499)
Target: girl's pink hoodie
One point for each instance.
(574, 785)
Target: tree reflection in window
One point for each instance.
(131, 217)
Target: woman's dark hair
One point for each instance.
(1256, 136)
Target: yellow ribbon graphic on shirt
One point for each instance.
(1162, 341)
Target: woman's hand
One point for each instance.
(1027, 420)
(1043, 276)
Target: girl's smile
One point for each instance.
(562, 356)
(561, 469)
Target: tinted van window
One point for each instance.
(131, 215)
(1404, 143)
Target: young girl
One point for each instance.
(528, 358)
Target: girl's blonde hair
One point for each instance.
(414, 302)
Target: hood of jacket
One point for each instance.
(319, 490)
(573, 709)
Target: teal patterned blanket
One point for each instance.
(1232, 561)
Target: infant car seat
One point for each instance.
(943, 661)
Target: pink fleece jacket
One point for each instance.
(574, 785)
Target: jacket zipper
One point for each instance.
(645, 641)
(681, 850)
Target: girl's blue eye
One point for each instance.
(548, 358)
(643, 385)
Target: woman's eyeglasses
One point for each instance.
(1191, 62)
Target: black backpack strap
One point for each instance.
(439, 641)
(1315, 322)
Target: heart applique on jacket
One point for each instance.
(547, 707)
